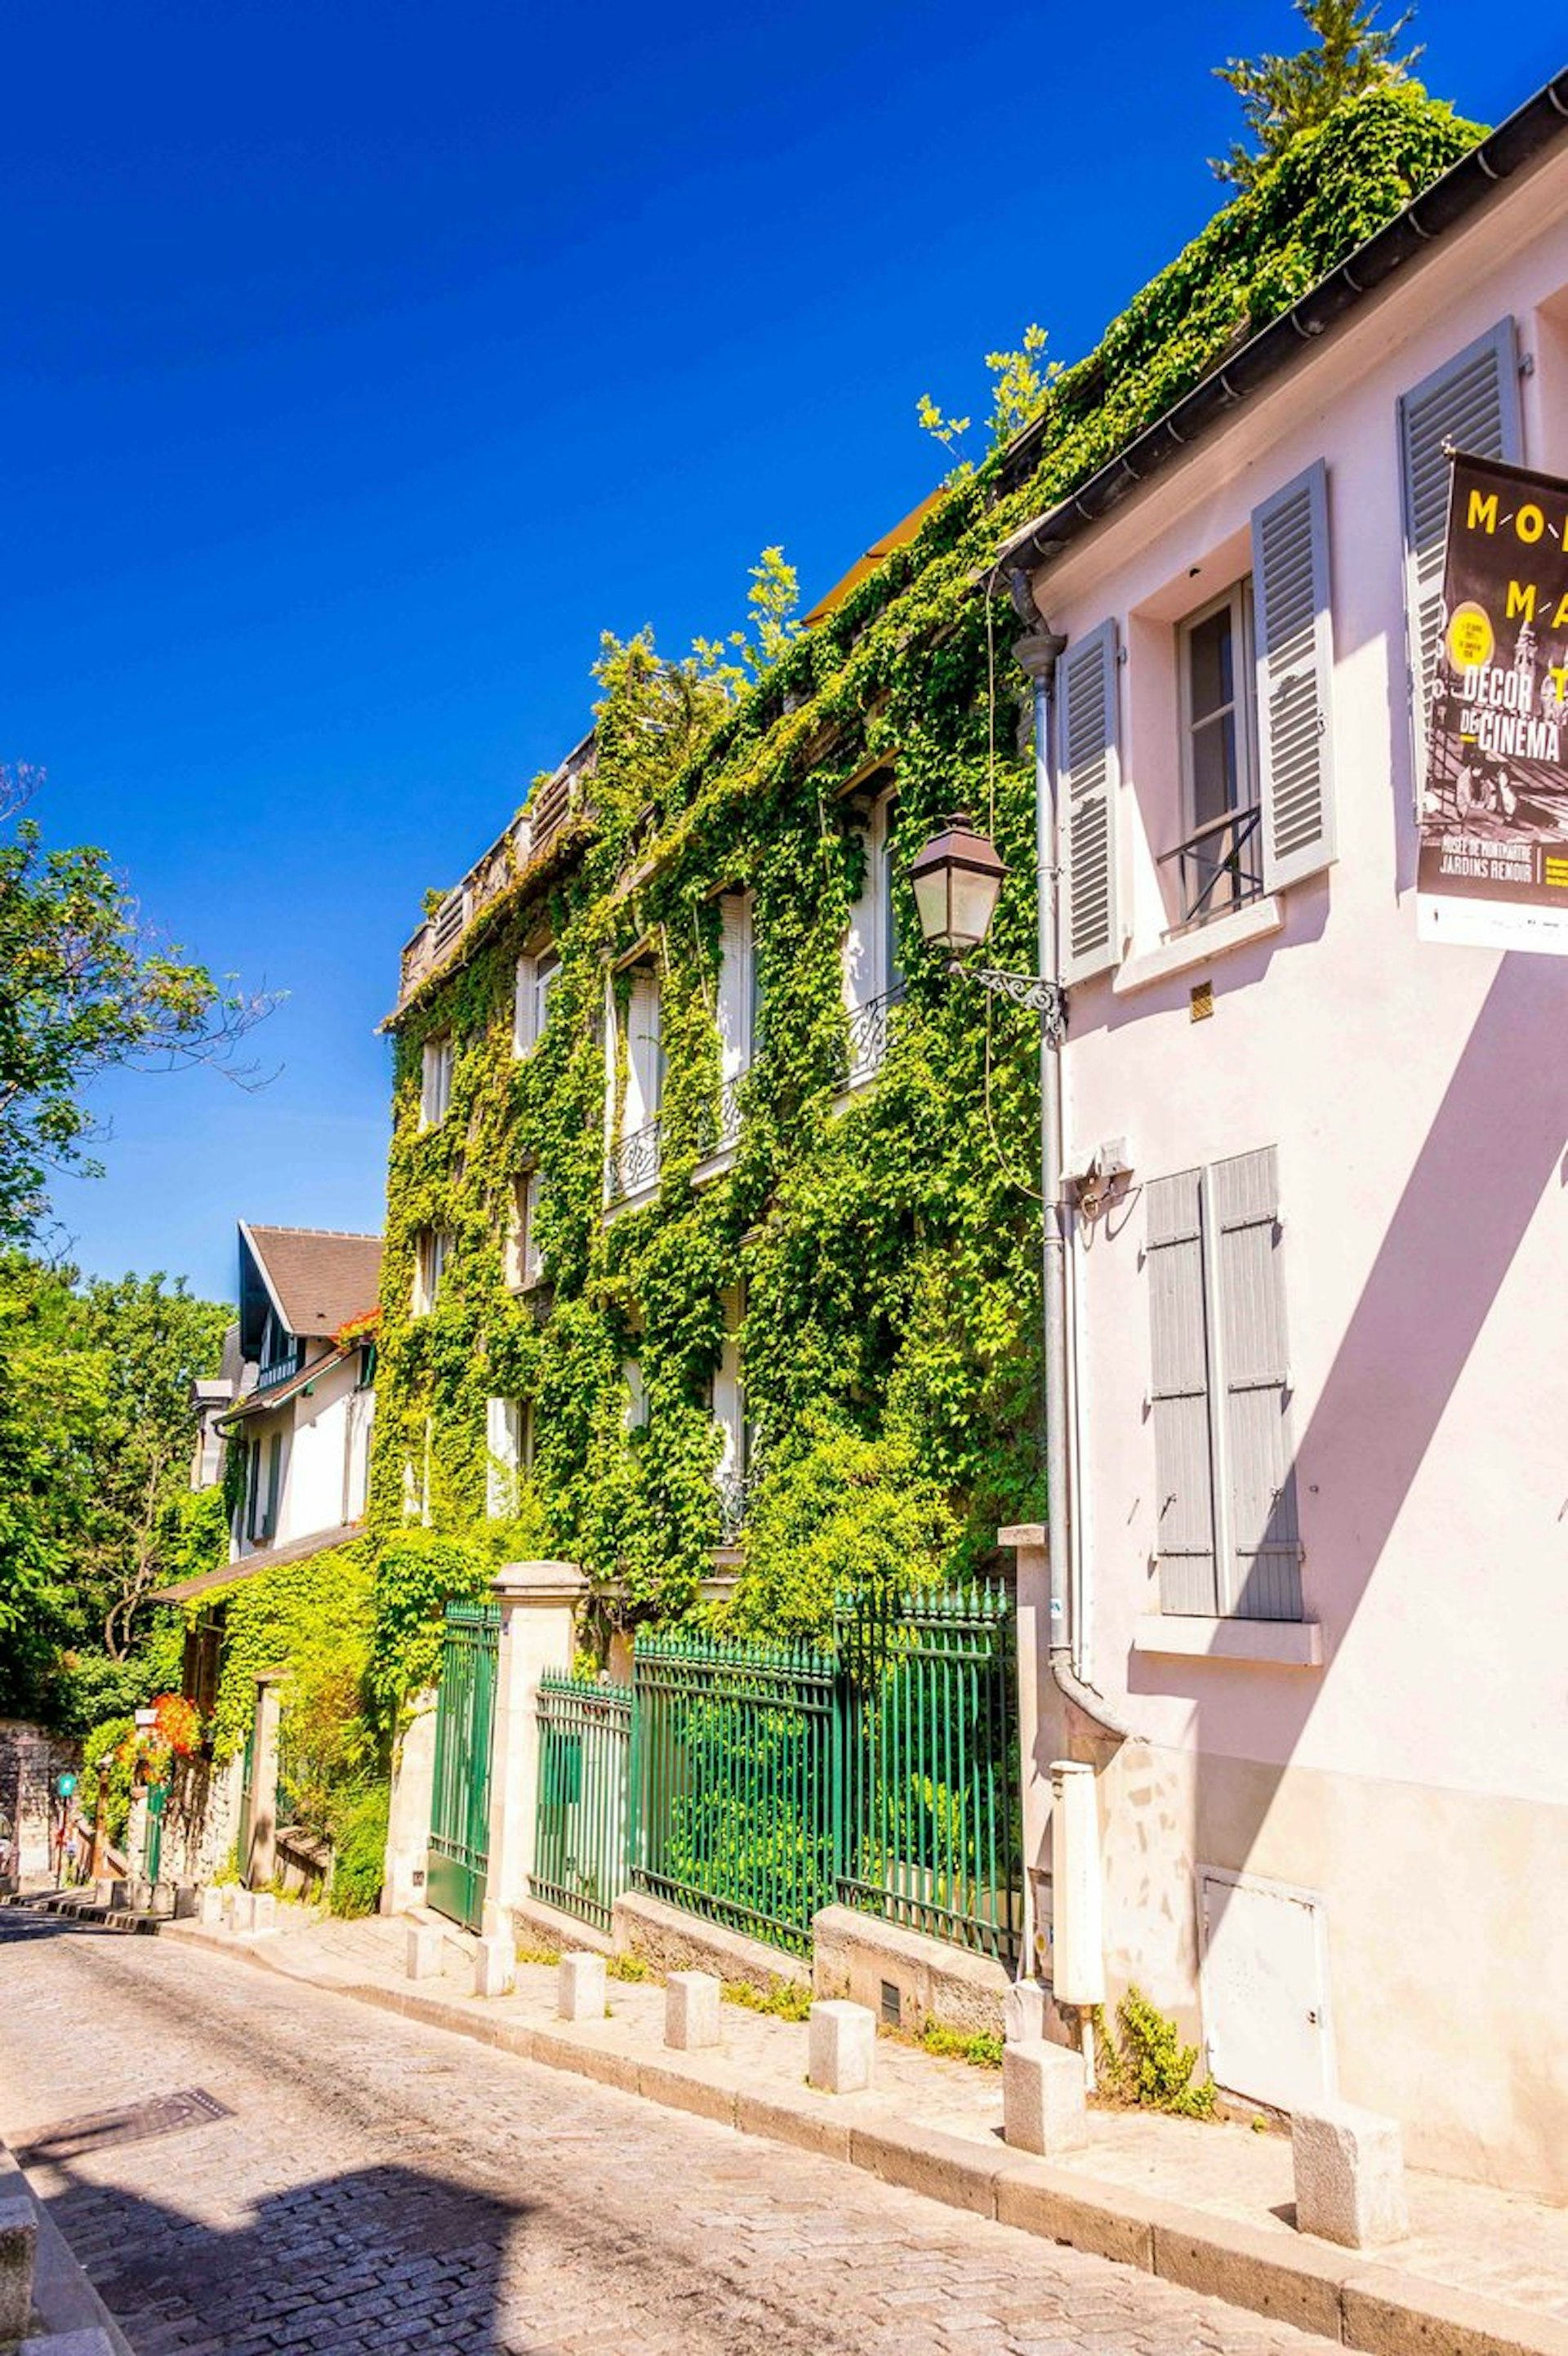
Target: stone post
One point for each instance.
(1039, 1740)
(408, 1817)
(539, 1606)
(136, 1834)
(262, 1861)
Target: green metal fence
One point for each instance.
(731, 1782)
(927, 1766)
(157, 1802)
(585, 1757)
(457, 1860)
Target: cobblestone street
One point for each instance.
(381, 2185)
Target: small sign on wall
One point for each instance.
(1492, 871)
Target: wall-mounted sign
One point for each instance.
(1493, 866)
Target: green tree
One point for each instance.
(84, 989)
(95, 1439)
(1281, 97)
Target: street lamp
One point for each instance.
(957, 877)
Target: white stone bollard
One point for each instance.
(1043, 2109)
(241, 1912)
(212, 1907)
(580, 1988)
(690, 2011)
(264, 1911)
(421, 1959)
(494, 1964)
(1350, 2176)
(1023, 2013)
(231, 1895)
(841, 2051)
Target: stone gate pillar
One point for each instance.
(1039, 1735)
(262, 1859)
(408, 1814)
(538, 1634)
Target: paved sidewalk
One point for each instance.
(1211, 2205)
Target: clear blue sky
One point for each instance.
(365, 360)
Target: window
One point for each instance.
(873, 978)
(435, 1085)
(1220, 862)
(509, 1449)
(431, 1249)
(631, 1158)
(416, 1482)
(524, 1262)
(1227, 1539)
(263, 1489)
(635, 1413)
(530, 1005)
(726, 1405)
(737, 1007)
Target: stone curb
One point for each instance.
(1339, 2294)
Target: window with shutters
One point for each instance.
(530, 999)
(736, 1010)
(634, 1086)
(873, 970)
(432, 1248)
(522, 1261)
(1227, 1540)
(508, 1431)
(1218, 865)
(435, 1081)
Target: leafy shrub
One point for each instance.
(359, 1833)
(1149, 2065)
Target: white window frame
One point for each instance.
(523, 1259)
(431, 1250)
(1237, 600)
(506, 1421)
(635, 1411)
(867, 952)
(436, 1080)
(535, 980)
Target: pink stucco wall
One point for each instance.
(1418, 1098)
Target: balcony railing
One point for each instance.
(279, 1370)
(632, 1166)
(737, 1489)
(869, 1028)
(1221, 866)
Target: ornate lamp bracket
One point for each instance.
(1037, 996)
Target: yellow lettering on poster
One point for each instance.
(1521, 600)
(1529, 523)
(1483, 515)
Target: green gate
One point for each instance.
(457, 1859)
(157, 1802)
(584, 1753)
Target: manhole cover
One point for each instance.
(132, 2122)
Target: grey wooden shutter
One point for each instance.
(1471, 401)
(1296, 658)
(275, 1486)
(1260, 1578)
(1087, 767)
(1179, 1395)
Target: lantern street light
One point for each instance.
(957, 877)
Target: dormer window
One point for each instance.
(436, 1080)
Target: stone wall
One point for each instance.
(29, 1762)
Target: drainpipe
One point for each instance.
(1037, 655)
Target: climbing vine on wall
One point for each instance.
(883, 1248)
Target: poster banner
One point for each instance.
(1493, 865)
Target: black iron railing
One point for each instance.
(632, 1166)
(870, 1027)
(1221, 866)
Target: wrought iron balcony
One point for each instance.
(632, 1166)
(866, 1046)
(1221, 866)
(737, 1489)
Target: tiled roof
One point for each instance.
(321, 1278)
(250, 1566)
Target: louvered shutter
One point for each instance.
(643, 1059)
(1087, 767)
(1260, 1579)
(1179, 1395)
(1471, 401)
(522, 1032)
(275, 1486)
(735, 986)
(1295, 667)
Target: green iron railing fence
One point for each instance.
(585, 1759)
(930, 1833)
(731, 1782)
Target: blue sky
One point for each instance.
(366, 360)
